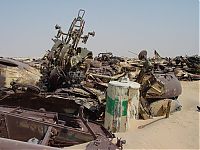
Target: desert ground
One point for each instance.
(179, 131)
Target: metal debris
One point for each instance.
(48, 128)
(156, 86)
(51, 101)
(15, 71)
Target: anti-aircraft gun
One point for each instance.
(64, 72)
(61, 65)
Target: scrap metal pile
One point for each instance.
(54, 106)
(184, 68)
(54, 103)
(187, 68)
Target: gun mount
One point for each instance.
(75, 32)
(65, 55)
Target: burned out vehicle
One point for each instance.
(158, 89)
(68, 129)
(51, 128)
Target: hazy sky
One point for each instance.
(169, 26)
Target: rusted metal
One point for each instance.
(49, 128)
(47, 136)
(69, 81)
(168, 109)
(164, 86)
(156, 85)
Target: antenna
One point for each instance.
(133, 53)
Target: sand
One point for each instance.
(179, 131)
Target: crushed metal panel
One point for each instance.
(166, 86)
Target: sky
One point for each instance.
(169, 26)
